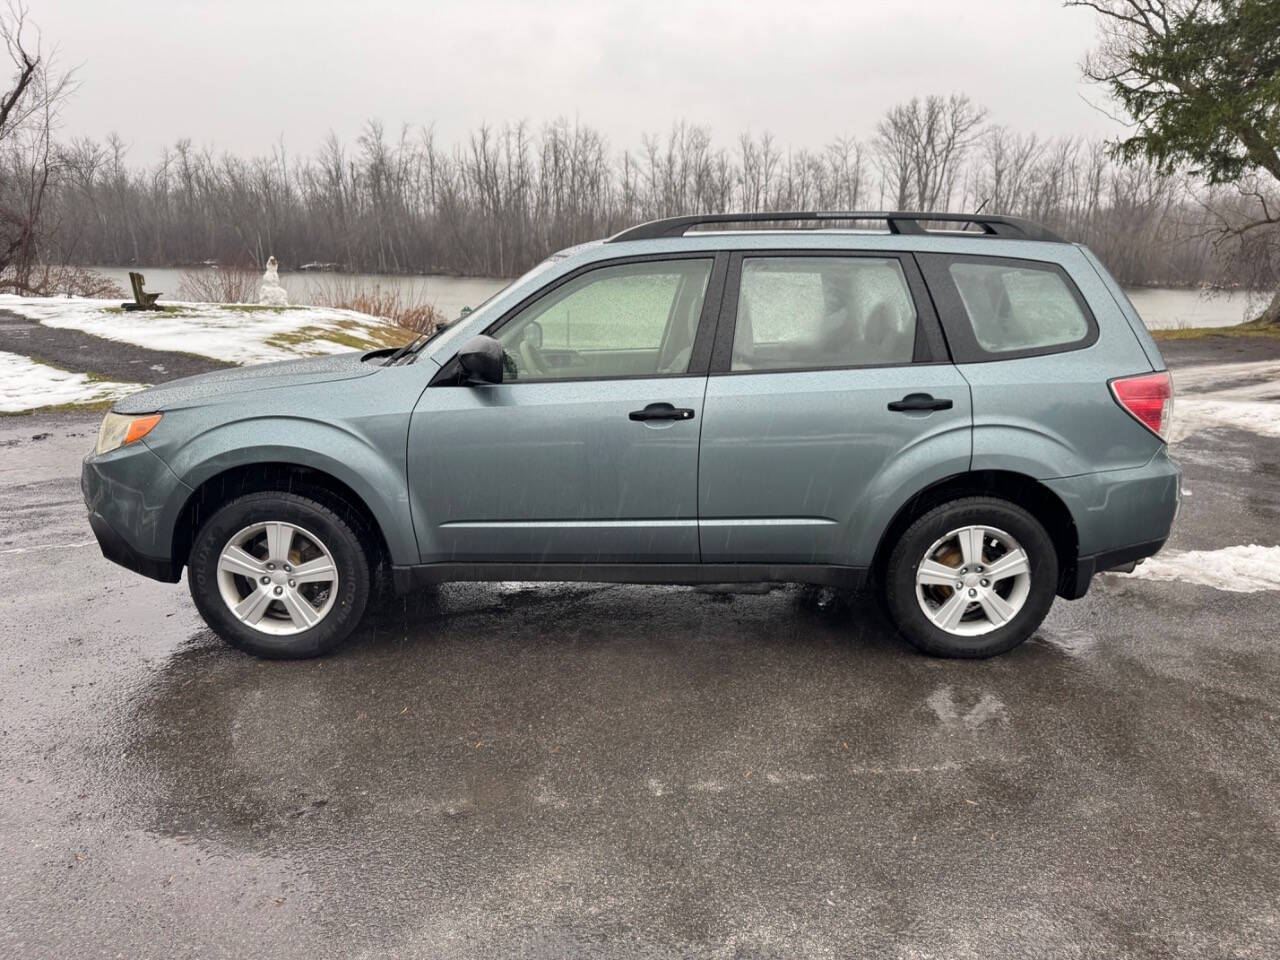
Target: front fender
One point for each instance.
(368, 455)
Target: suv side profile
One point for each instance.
(962, 412)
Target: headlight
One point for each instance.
(119, 430)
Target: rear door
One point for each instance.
(587, 452)
(830, 394)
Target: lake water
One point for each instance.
(1160, 308)
(448, 294)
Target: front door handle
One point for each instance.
(661, 411)
(919, 401)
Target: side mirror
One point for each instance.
(481, 361)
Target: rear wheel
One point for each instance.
(971, 578)
(279, 575)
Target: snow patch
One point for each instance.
(1255, 416)
(236, 333)
(942, 702)
(781, 777)
(26, 385)
(1206, 376)
(1243, 569)
(1239, 395)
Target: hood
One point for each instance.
(206, 387)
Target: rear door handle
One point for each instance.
(661, 411)
(919, 401)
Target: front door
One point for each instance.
(587, 452)
(829, 396)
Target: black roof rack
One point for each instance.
(1011, 228)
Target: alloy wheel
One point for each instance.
(973, 580)
(277, 578)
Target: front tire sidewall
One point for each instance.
(343, 544)
(900, 577)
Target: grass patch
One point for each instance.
(254, 308)
(349, 334)
(164, 308)
(384, 335)
(96, 406)
(186, 312)
(1251, 329)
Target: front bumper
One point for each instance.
(134, 500)
(116, 549)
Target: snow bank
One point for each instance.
(1239, 395)
(236, 333)
(27, 385)
(1242, 569)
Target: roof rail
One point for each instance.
(1011, 228)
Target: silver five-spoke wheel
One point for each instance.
(973, 580)
(277, 578)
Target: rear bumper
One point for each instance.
(1076, 582)
(1120, 516)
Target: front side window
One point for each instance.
(1018, 307)
(633, 319)
(812, 312)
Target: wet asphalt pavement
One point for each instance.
(580, 771)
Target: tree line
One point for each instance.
(1190, 197)
(507, 196)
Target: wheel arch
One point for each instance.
(1017, 488)
(225, 486)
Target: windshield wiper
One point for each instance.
(413, 346)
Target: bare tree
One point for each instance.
(921, 145)
(508, 196)
(28, 159)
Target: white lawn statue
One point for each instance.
(270, 292)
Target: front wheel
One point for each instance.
(971, 578)
(279, 575)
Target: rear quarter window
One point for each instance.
(1001, 308)
(1018, 308)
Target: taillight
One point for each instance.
(1148, 399)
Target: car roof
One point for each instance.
(952, 242)
(910, 223)
(994, 236)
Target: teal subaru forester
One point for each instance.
(963, 413)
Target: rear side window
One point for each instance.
(1017, 308)
(813, 312)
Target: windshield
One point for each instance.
(449, 331)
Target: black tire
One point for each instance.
(337, 533)
(907, 554)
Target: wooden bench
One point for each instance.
(141, 299)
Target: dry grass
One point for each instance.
(50, 280)
(220, 285)
(407, 308)
(1251, 329)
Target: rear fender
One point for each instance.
(934, 458)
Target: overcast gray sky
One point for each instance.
(242, 75)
